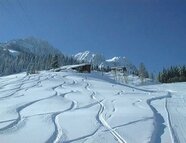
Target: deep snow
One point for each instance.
(90, 108)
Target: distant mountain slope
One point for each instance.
(29, 53)
(119, 62)
(30, 45)
(99, 60)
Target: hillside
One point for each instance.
(71, 107)
(22, 54)
(29, 45)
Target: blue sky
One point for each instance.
(149, 31)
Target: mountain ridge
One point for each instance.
(30, 45)
(22, 55)
(101, 62)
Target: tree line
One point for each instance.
(30, 63)
(173, 74)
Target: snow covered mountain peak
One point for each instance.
(30, 45)
(81, 56)
(119, 62)
(99, 60)
(89, 57)
(115, 59)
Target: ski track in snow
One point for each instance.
(158, 118)
(20, 108)
(116, 135)
(175, 119)
(132, 122)
(173, 134)
(158, 121)
(58, 133)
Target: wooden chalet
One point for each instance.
(120, 69)
(82, 68)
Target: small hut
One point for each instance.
(83, 68)
(119, 69)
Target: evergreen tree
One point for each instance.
(152, 76)
(29, 62)
(173, 74)
(55, 63)
(143, 73)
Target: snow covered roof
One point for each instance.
(73, 66)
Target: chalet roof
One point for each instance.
(74, 66)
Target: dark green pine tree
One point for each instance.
(143, 73)
(55, 62)
(173, 74)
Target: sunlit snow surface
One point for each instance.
(90, 108)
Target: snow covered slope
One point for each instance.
(175, 107)
(90, 108)
(21, 54)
